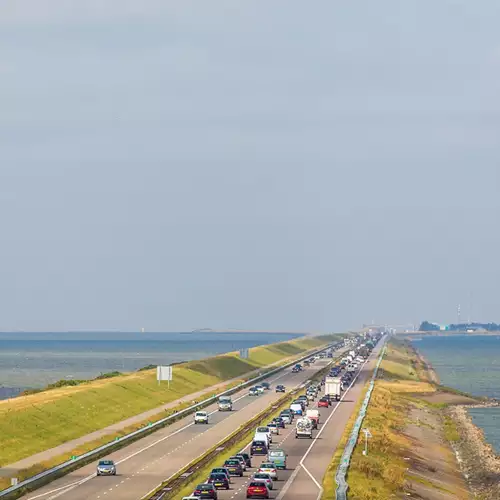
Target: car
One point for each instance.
(269, 468)
(106, 468)
(246, 457)
(273, 428)
(261, 431)
(279, 421)
(296, 408)
(266, 385)
(264, 477)
(205, 490)
(303, 398)
(219, 481)
(301, 403)
(253, 391)
(221, 470)
(242, 461)
(201, 417)
(257, 489)
(260, 389)
(323, 403)
(234, 467)
(259, 448)
(280, 388)
(277, 457)
(287, 416)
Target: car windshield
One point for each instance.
(106, 462)
(275, 453)
(258, 443)
(256, 483)
(262, 429)
(218, 476)
(201, 414)
(267, 466)
(232, 462)
(261, 475)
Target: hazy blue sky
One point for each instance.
(263, 165)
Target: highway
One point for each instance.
(308, 459)
(143, 465)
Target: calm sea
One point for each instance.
(471, 364)
(37, 359)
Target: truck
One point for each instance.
(225, 403)
(333, 387)
(303, 428)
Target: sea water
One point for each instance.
(470, 363)
(32, 360)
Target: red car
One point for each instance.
(323, 403)
(257, 489)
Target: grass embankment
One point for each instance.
(403, 381)
(37, 422)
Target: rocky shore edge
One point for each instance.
(476, 457)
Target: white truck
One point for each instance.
(333, 387)
(303, 428)
(225, 403)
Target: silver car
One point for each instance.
(106, 468)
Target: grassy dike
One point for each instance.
(410, 450)
(33, 423)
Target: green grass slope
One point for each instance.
(37, 422)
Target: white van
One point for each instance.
(296, 408)
(263, 434)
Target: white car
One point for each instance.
(264, 430)
(273, 428)
(269, 468)
(260, 389)
(265, 478)
(201, 417)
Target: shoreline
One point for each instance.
(476, 457)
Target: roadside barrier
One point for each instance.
(50, 474)
(340, 476)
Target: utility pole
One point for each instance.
(458, 314)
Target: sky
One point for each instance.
(258, 165)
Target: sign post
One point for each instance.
(164, 373)
(367, 434)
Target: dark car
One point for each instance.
(245, 457)
(234, 467)
(205, 490)
(219, 480)
(258, 448)
(221, 470)
(266, 385)
(279, 422)
(280, 388)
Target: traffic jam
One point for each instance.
(262, 468)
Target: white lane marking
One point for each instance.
(301, 463)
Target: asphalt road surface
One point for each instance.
(308, 459)
(143, 465)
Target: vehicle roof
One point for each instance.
(276, 451)
(260, 474)
(268, 465)
(205, 486)
(259, 443)
(106, 462)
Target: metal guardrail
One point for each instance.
(96, 453)
(340, 476)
